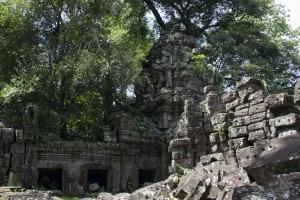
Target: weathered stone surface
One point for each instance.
(211, 157)
(297, 89)
(287, 120)
(241, 121)
(262, 107)
(236, 178)
(256, 135)
(189, 183)
(238, 132)
(246, 156)
(247, 86)
(28, 195)
(238, 143)
(257, 97)
(247, 80)
(228, 97)
(285, 131)
(242, 106)
(258, 117)
(242, 112)
(257, 126)
(232, 105)
(284, 191)
(214, 138)
(178, 143)
(221, 118)
(279, 101)
(283, 157)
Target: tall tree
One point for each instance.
(83, 55)
(239, 38)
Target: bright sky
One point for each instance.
(292, 6)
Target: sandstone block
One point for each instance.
(287, 120)
(257, 97)
(256, 135)
(232, 105)
(240, 107)
(214, 138)
(279, 100)
(242, 112)
(297, 89)
(258, 117)
(262, 107)
(286, 131)
(248, 155)
(246, 81)
(179, 143)
(241, 121)
(221, 118)
(238, 132)
(257, 126)
(238, 143)
(229, 96)
(282, 156)
(211, 158)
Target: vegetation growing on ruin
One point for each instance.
(65, 64)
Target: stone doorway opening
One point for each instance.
(146, 177)
(97, 179)
(50, 179)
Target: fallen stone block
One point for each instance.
(192, 183)
(281, 155)
(212, 157)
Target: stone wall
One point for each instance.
(122, 161)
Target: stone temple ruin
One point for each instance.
(232, 144)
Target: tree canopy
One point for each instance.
(70, 60)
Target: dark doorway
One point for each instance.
(50, 179)
(146, 176)
(99, 176)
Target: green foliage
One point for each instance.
(184, 170)
(70, 59)
(239, 38)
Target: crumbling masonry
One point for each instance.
(212, 130)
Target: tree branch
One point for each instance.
(156, 14)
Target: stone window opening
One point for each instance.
(146, 177)
(97, 180)
(50, 178)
